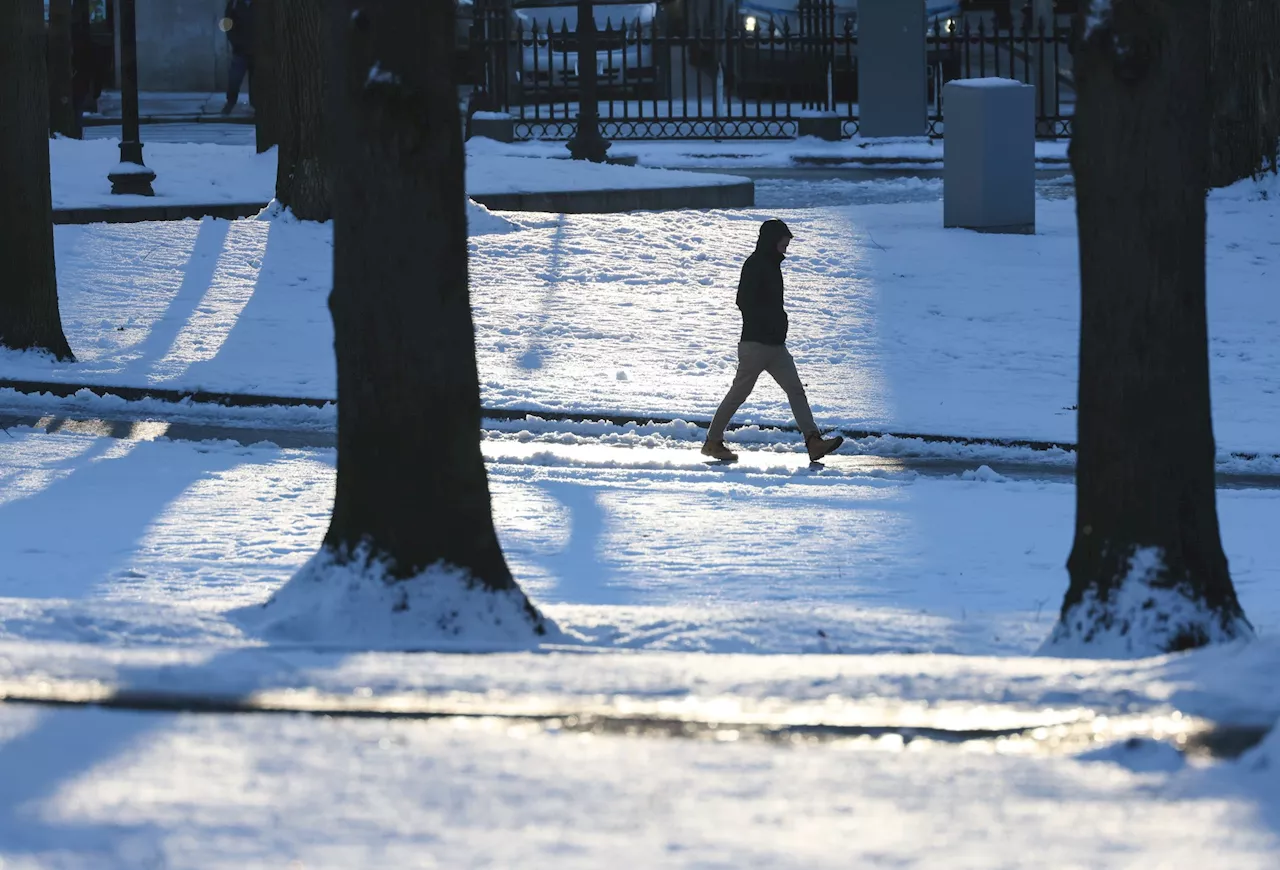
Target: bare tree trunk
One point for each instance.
(412, 486)
(29, 316)
(302, 176)
(266, 113)
(1245, 77)
(1148, 573)
(63, 118)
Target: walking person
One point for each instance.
(237, 22)
(763, 347)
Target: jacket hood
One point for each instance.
(772, 232)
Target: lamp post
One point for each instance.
(131, 175)
(587, 144)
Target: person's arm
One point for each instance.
(749, 287)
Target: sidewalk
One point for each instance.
(157, 107)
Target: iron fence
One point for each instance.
(740, 77)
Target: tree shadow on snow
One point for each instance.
(284, 330)
(197, 277)
(582, 576)
(98, 507)
(536, 352)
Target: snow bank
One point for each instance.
(1265, 757)
(1139, 755)
(482, 222)
(1265, 187)
(1139, 618)
(355, 604)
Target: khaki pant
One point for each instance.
(753, 359)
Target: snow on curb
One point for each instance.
(480, 221)
(356, 604)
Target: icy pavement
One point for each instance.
(92, 788)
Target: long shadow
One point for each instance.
(98, 507)
(295, 268)
(582, 577)
(536, 351)
(70, 742)
(196, 279)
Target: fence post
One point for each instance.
(587, 143)
(892, 86)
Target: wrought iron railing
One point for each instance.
(741, 77)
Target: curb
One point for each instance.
(251, 400)
(133, 214)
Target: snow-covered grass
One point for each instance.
(897, 323)
(189, 173)
(621, 546)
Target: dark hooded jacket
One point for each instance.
(240, 35)
(760, 289)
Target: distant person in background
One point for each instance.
(237, 23)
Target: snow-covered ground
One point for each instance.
(106, 790)
(897, 323)
(632, 547)
(867, 594)
(637, 545)
(189, 173)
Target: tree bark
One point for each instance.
(411, 482)
(63, 118)
(266, 113)
(29, 316)
(1245, 77)
(1147, 567)
(302, 175)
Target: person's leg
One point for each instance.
(253, 79)
(753, 358)
(235, 77)
(783, 370)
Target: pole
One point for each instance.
(62, 107)
(131, 175)
(588, 144)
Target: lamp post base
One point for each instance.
(132, 178)
(589, 146)
(131, 175)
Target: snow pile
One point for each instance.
(1139, 755)
(1265, 757)
(1138, 618)
(1264, 187)
(356, 604)
(985, 474)
(482, 222)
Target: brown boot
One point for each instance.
(717, 450)
(819, 446)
